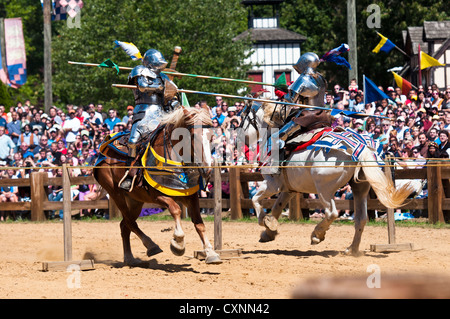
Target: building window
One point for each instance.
(256, 76)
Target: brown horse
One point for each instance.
(109, 172)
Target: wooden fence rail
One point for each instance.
(437, 203)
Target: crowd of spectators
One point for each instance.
(418, 120)
(417, 130)
(31, 138)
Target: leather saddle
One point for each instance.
(310, 122)
(116, 145)
(313, 119)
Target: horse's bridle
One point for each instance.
(252, 120)
(253, 109)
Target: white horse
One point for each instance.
(323, 173)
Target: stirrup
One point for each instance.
(124, 181)
(127, 183)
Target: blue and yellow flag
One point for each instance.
(385, 45)
(130, 49)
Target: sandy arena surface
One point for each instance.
(267, 270)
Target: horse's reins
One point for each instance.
(251, 121)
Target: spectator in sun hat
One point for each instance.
(231, 115)
(358, 125)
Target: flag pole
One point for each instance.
(404, 53)
(364, 88)
(420, 68)
(48, 95)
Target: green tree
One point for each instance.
(5, 98)
(325, 25)
(204, 35)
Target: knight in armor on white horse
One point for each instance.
(155, 95)
(308, 89)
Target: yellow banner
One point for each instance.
(427, 61)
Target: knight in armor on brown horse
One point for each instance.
(164, 148)
(155, 95)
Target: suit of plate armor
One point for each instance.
(155, 94)
(309, 89)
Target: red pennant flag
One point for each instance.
(402, 83)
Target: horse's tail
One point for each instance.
(383, 185)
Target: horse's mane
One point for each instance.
(195, 116)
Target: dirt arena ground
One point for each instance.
(266, 271)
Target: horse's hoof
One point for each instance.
(154, 251)
(178, 249)
(213, 260)
(130, 262)
(315, 240)
(271, 223)
(355, 253)
(267, 236)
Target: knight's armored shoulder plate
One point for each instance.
(141, 70)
